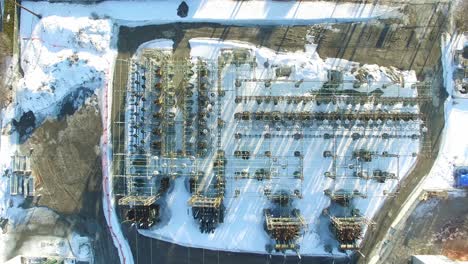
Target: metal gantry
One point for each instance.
(157, 107)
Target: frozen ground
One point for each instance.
(242, 229)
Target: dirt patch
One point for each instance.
(456, 249)
(412, 44)
(460, 18)
(282, 38)
(434, 227)
(66, 159)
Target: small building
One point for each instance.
(461, 177)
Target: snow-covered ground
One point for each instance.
(222, 11)
(37, 242)
(242, 229)
(454, 144)
(453, 149)
(62, 55)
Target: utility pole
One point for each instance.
(28, 10)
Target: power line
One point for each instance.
(28, 10)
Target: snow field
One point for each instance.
(62, 55)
